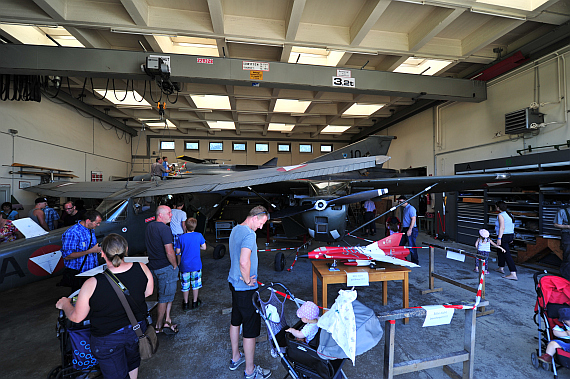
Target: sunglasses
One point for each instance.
(260, 213)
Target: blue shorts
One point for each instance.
(193, 279)
(565, 345)
(166, 280)
(118, 352)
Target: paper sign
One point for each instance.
(258, 66)
(437, 315)
(256, 75)
(343, 73)
(455, 256)
(354, 279)
(205, 60)
(28, 227)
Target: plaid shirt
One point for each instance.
(51, 218)
(79, 238)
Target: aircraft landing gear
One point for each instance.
(280, 261)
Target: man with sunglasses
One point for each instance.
(243, 283)
(71, 215)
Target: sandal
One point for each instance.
(169, 328)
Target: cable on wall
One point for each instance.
(23, 87)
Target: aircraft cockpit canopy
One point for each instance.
(113, 210)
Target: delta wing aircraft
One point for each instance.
(129, 206)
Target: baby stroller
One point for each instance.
(76, 358)
(553, 293)
(300, 359)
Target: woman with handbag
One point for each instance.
(114, 342)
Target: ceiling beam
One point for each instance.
(492, 30)
(89, 38)
(54, 8)
(138, 10)
(270, 108)
(294, 19)
(392, 62)
(216, 15)
(365, 20)
(432, 25)
(45, 60)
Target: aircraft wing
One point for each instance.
(409, 185)
(219, 182)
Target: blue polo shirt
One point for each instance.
(240, 237)
(409, 212)
(79, 238)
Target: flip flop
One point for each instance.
(509, 278)
(169, 328)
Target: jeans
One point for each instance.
(412, 242)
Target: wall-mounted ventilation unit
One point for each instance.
(521, 121)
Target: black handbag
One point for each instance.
(148, 341)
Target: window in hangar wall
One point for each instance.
(326, 148)
(239, 146)
(191, 145)
(216, 146)
(262, 148)
(305, 148)
(167, 145)
(284, 148)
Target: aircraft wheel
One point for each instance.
(219, 251)
(534, 360)
(280, 261)
(54, 373)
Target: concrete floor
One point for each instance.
(504, 342)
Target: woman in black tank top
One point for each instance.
(113, 342)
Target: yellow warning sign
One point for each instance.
(256, 75)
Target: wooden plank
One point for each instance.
(22, 165)
(451, 372)
(37, 173)
(455, 283)
(435, 361)
(542, 244)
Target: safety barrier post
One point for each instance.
(466, 355)
(433, 275)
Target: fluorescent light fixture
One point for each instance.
(514, 17)
(412, 2)
(422, 66)
(211, 101)
(273, 127)
(332, 129)
(225, 125)
(129, 102)
(143, 32)
(362, 109)
(254, 43)
(187, 109)
(165, 124)
(196, 45)
(290, 106)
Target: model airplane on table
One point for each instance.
(389, 250)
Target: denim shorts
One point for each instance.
(118, 352)
(166, 280)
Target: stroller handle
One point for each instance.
(267, 287)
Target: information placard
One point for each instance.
(437, 315)
(354, 279)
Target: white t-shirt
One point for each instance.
(178, 216)
(310, 331)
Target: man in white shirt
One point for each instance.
(369, 213)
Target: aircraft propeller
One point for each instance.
(322, 204)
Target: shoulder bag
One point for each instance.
(148, 341)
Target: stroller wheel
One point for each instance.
(53, 373)
(280, 261)
(534, 360)
(545, 366)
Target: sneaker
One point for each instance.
(196, 304)
(258, 373)
(235, 365)
(275, 352)
(185, 306)
(545, 358)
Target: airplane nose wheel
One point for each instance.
(280, 261)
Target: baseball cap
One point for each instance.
(41, 200)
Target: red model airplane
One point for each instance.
(385, 250)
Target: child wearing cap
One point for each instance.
(309, 314)
(563, 333)
(483, 245)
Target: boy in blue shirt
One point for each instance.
(188, 249)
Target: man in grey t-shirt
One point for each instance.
(243, 283)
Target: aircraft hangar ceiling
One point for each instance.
(393, 57)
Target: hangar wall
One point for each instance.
(53, 134)
(142, 163)
(466, 132)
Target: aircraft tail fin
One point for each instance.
(270, 163)
(370, 146)
(396, 239)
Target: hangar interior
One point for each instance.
(245, 81)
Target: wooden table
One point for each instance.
(383, 273)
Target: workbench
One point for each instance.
(383, 272)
